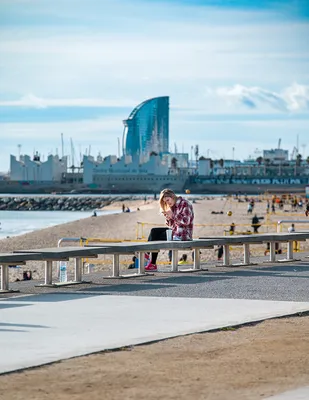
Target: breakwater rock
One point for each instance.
(55, 203)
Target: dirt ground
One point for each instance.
(250, 362)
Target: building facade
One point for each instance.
(147, 128)
(26, 169)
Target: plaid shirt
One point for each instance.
(182, 220)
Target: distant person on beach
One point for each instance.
(94, 213)
(123, 207)
(232, 228)
(220, 252)
(267, 207)
(307, 209)
(255, 223)
(179, 217)
(133, 264)
(291, 228)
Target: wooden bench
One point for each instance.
(116, 249)
(272, 238)
(9, 259)
(49, 255)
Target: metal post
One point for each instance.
(226, 254)
(290, 251)
(246, 254)
(174, 260)
(141, 262)
(115, 264)
(48, 272)
(272, 251)
(78, 269)
(4, 277)
(197, 259)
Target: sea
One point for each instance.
(14, 223)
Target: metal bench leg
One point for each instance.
(78, 270)
(4, 278)
(290, 251)
(226, 254)
(197, 259)
(174, 260)
(48, 272)
(272, 251)
(115, 264)
(246, 254)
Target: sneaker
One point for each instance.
(147, 256)
(151, 267)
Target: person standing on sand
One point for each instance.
(179, 217)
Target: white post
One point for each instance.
(78, 269)
(141, 262)
(246, 254)
(115, 264)
(226, 254)
(197, 259)
(48, 272)
(272, 251)
(4, 277)
(174, 260)
(290, 251)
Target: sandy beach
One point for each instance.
(211, 219)
(250, 363)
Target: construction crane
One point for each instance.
(294, 153)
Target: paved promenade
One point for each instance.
(36, 329)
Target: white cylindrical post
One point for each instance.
(226, 254)
(174, 260)
(290, 251)
(48, 272)
(197, 259)
(141, 262)
(246, 254)
(4, 278)
(78, 269)
(272, 251)
(115, 264)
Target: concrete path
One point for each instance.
(40, 329)
(298, 394)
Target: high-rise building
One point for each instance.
(147, 128)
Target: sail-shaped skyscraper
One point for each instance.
(147, 128)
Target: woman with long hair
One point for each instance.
(179, 217)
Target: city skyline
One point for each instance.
(236, 72)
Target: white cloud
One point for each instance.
(33, 101)
(293, 98)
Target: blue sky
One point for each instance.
(236, 71)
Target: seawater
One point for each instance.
(14, 223)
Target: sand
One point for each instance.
(137, 224)
(251, 362)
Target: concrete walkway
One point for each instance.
(298, 394)
(40, 329)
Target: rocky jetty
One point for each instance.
(55, 203)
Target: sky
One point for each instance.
(236, 71)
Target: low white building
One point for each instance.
(26, 169)
(276, 155)
(126, 165)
